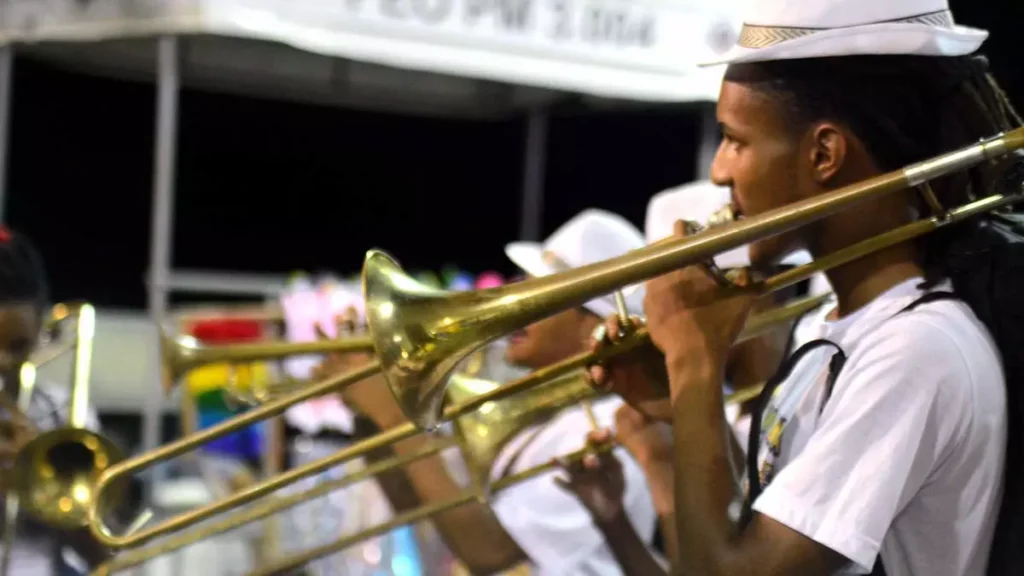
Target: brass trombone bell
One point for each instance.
(421, 334)
(181, 354)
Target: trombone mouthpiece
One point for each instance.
(723, 215)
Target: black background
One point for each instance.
(276, 187)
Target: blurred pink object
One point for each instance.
(300, 306)
(489, 280)
(301, 310)
(337, 301)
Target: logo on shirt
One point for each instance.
(771, 441)
(770, 446)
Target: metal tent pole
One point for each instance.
(534, 155)
(708, 141)
(168, 83)
(6, 89)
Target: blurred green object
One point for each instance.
(429, 278)
(297, 277)
(449, 273)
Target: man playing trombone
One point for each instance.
(883, 445)
(36, 549)
(596, 478)
(534, 522)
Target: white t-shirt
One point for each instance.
(906, 457)
(33, 550)
(551, 525)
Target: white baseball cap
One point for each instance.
(698, 201)
(790, 29)
(591, 236)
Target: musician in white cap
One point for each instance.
(883, 447)
(537, 522)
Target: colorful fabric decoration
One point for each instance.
(206, 385)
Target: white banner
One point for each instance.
(636, 49)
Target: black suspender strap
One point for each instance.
(928, 298)
(754, 486)
(835, 366)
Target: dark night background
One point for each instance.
(275, 187)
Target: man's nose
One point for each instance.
(720, 173)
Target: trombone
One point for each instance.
(421, 333)
(115, 474)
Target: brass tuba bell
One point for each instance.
(54, 473)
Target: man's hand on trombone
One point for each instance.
(596, 479)
(694, 319)
(637, 376)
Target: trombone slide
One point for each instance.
(117, 472)
(410, 517)
(262, 510)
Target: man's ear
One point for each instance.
(828, 148)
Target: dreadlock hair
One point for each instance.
(22, 276)
(904, 108)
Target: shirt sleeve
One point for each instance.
(551, 525)
(898, 405)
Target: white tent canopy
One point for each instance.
(619, 49)
(475, 58)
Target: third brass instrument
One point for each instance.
(54, 472)
(181, 354)
(482, 435)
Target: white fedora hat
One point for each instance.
(697, 202)
(790, 29)
(591, 236)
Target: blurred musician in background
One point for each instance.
(37, 550)
(534, 522)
